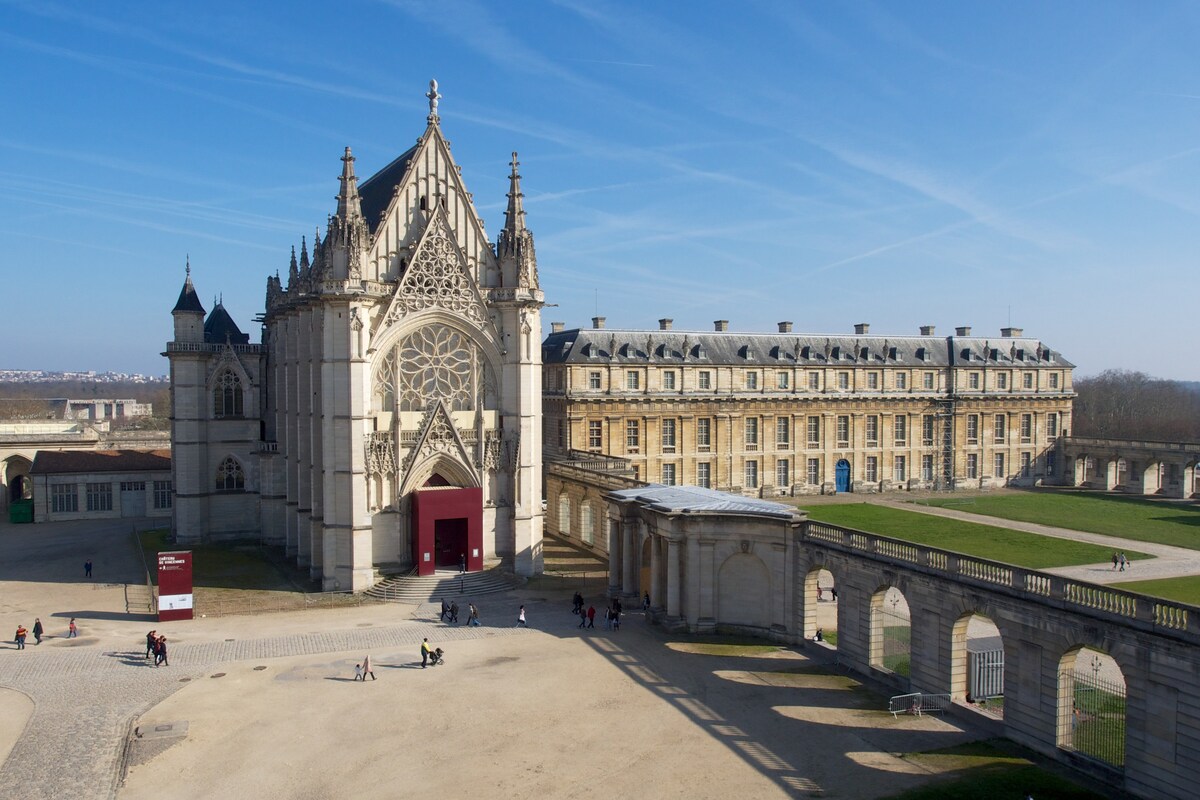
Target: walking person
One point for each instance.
(160, 652)
(616, 619)
(151, 640)
(87, 568)
(366, 668)
(358, 673)
(583, 618)
(454, 612)
(425, 648)
(1123, 561)
(38, 630)
(472, 615)
(577, 604)
(462, 563)
(445, 610)
(521, 618)
(1116, 559)
(72, 631)
(591, 615)
(19, 637)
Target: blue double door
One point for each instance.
(842, 476)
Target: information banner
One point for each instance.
(174, 585)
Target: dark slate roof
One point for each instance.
(695, 500)
(376, 191)
(219, 325)
(188, 299)
(602, 345)
(55, 462)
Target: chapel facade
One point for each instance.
(391, 416)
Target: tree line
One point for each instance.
(31, 401)
(1121, 404)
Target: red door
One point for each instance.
(447, 524)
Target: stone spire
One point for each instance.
(303, 255)
(349, 205)
(293, 272)
(514, 248)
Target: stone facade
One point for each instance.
(793, 414)
(1131, 465)
(401, 358)
(110, 484)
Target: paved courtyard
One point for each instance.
(545, 711)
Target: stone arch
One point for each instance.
(891, 631)
(1091, 705)
(587, 521)
(453, 471)
(744, 592)
(819, 595)
(16, 478)
(976, 658)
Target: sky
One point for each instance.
(925, 163)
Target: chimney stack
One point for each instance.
(785, 327)
(664, 324)
(597, 322)
(927, 330)
(721, 325)
(862, 327)
(1012, 333)
(965, 330)
(557, 327)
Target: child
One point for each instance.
(72, 631)
(358, 672)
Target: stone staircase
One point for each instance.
(449, 583)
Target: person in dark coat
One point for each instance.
(38, 630)
(151, 640)
(87, 568)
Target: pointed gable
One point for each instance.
(438, 435)
(397, 200)
(438, 277)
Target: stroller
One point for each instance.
(435, 657)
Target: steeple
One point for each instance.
(514, 248)
(303, 255)
(293, 272)
(514, 217)
(349, 205)
(189, 301)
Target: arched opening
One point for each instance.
(977, 663)
(446, 520)
(564, 514)
(842, 476)
(891, 632)
(644, 567)
(587, 523)
(820, 607)
(16, 478)
(1091, 706)
(743, 592)
(1122, 472)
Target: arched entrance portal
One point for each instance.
(842, 476)
(447, 525)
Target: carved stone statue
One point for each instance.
(433, 96)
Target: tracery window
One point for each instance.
(230, 477)
(227, 395)
(433, 363)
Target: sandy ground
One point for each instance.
(15, 710)
(541, 714)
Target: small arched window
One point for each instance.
(230, 477)
(227, 395)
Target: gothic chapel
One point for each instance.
(391, 417)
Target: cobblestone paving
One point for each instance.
(87, 698)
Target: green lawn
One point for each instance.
(1181, 590)
(216, 567)
(1128, 517)
(991, 771)
(982, 541)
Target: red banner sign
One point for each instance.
(174, 585)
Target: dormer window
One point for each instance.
(747, 353)
(699, 352)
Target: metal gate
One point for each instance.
(985, 671)
(1091, 719)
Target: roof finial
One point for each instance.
(188, 269)
(433, 96)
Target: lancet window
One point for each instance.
(227, 395)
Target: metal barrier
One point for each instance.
(918, 704)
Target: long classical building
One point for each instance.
(390, 417)
(797, 413)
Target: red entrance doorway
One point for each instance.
(447, 524)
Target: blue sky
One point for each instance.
(898, 164)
